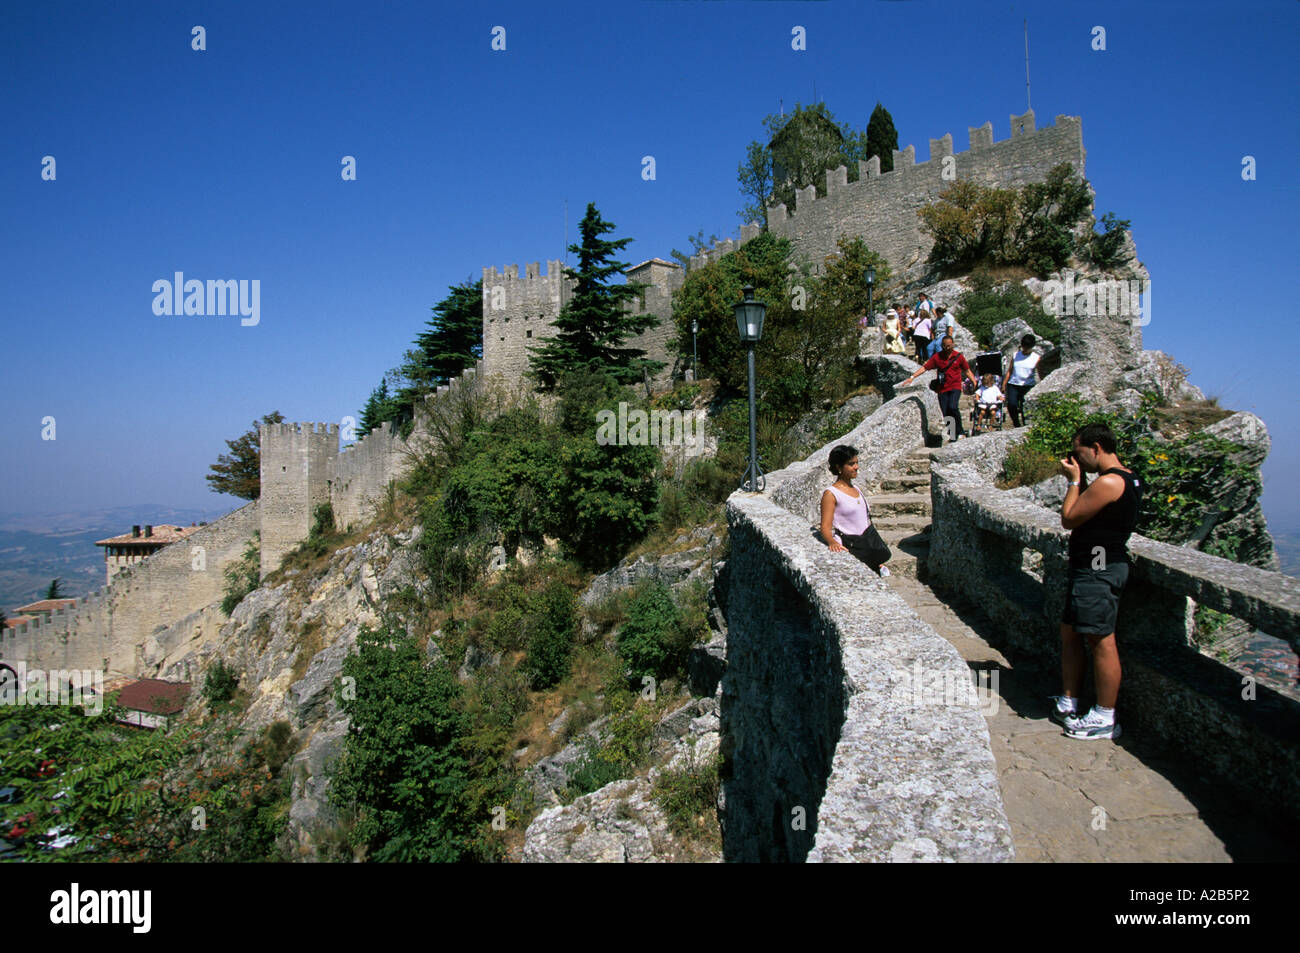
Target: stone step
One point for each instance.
(907, 561)
(903, 482)
(908, 524)
(897, 536)
(899, 504)
(917, 465)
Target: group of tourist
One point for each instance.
(1101, 515)
(916, 330)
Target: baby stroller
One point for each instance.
(990, 362)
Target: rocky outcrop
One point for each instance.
(288, 643)
(621, 822)
(674, 570)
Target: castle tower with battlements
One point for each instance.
(296, 461)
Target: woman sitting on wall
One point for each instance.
(846, 518)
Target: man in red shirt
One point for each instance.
(951, 365)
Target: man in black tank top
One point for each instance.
(1101, 518)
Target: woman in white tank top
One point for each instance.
(844, 511)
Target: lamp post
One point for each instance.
(695, 349)
(749, 322)
(871, 285)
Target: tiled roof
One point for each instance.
(162, 535)
(155, 696)
(46, 605)
(16, 620)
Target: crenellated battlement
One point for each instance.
(881, 207)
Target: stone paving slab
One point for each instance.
(1068, 800)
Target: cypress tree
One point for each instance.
(882, 137)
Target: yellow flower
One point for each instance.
(1171, 499)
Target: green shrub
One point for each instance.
(987, 303)
(689, 798)
(403, 765)
(1106, 246)
(243, 576)
(219, 684)
(654, 640)
(552, 629)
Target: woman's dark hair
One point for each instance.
(840, 456)
(1091, 434)
(1027, 343)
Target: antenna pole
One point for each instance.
(1028, 103)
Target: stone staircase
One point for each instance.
(901, 513)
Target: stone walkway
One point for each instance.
(1067, 800)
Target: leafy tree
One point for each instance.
(698, 244)
(54, 591)
(709, 295)
(882, 137)
(1047, 215)
(239, 472)
(594, 322)
(757, 178)
(801, 146)
(609, 491)
(402, 767)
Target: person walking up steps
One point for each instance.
(951, 365)
(1100, 518)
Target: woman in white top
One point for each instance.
(846, 517)
(1020, 377)
(893, 333)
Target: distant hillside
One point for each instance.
(1288, 551)
(36, 548)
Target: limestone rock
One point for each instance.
(620, 823)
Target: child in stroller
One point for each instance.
(989, 400)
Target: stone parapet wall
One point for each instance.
(829, 754)
(1010, 555)
(111, 628)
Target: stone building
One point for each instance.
(129, 548)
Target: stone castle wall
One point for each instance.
(109, 629)
(519, 313)
(881, 208)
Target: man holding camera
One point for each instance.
(1100, 517)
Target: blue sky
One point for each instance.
(225, 163)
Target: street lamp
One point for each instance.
(695, 349)
(871, 285)
(749, 322)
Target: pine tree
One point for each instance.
(882, 137)
(239, 473)
(452, 341)
(380, 407)
(54, 591)
(594, 323)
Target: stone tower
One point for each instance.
(296, 460)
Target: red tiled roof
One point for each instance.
(162, 535)
(46, 605)
(16, 620)
(154, 696)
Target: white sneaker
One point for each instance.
(1091, 727)
(884, 572)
